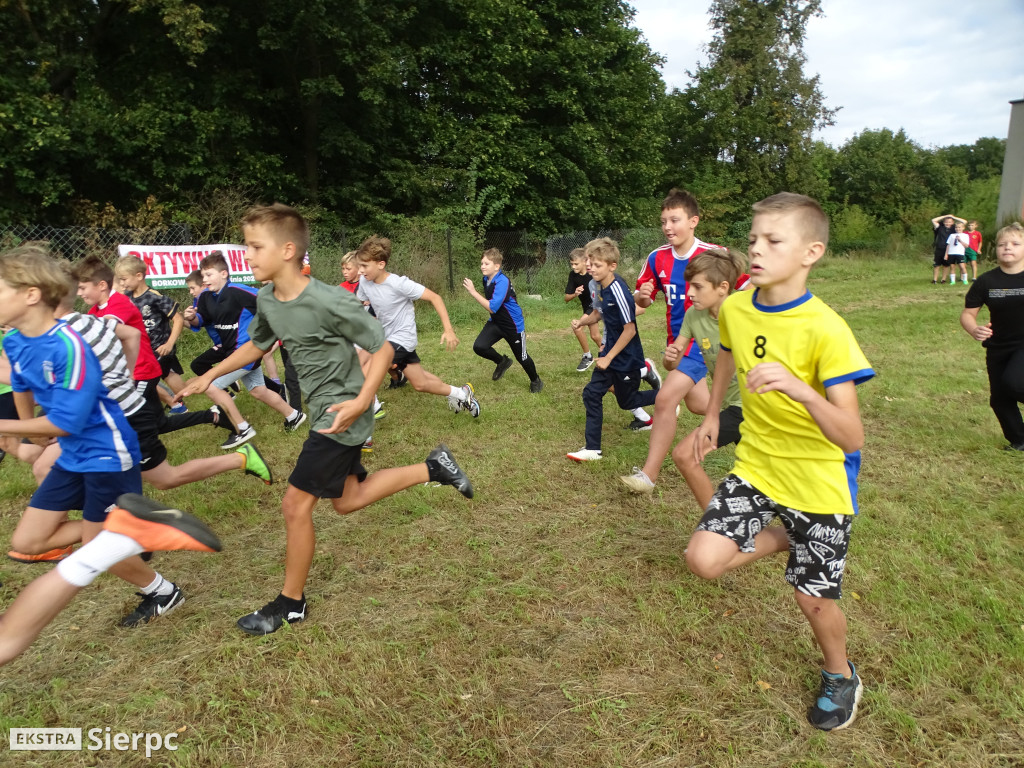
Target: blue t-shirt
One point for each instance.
(501, 300)
(64, 377)
(618, 309)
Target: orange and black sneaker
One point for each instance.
(53, 556)
(158, 528)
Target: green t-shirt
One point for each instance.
(318, 328)
(699, 325)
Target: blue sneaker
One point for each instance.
(179, 408)
(836, 706)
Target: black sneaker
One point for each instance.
(838, 697)
(536, 386)
(271, 616)
(236, 439)
(500, 368)
(291, 425)
(639, 425)
(153, 606)
(443, 469)
(1014, 447)
(401, 381)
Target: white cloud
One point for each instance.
(941, 70)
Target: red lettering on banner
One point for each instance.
(147, 259)
(162, 255)
(237, 262)
(190, 260)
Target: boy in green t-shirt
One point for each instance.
(318, 324)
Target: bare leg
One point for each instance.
(829, 626)
(272, 399)
(423, 380)
(300, 540)
(41, 530)
(674, 388)
(226, 404)
(35, 607)
(165, 476)
(696, 478)
(709, 555)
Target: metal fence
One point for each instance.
(437, 257)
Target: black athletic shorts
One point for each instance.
(729, 421)
(154, 453)
(7, 408)
(404, 357)
(170, 364)
(324, 465)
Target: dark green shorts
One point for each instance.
(970, 254)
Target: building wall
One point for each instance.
(1011, 190)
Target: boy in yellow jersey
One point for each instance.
(798, 365)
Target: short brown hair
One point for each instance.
(810, 218)
(494, 256)
(284, 222)
(718, 265)
(215, 260)
(680, 198)
(93, 269)
(576, 254)
(374, 248)
(30, 265)
(130, 265)
(195, 276)
(603, 249)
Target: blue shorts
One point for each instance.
(92, 492)
(693, 367)
(250, 378)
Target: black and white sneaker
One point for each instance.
(442, 468)
(291, 425)
(153, 606)
(236, 439)
(585, 362)
(271, 616)
(651, 375)
(401, 381)
(639, 425)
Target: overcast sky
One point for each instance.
(943, 70)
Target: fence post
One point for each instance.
(451, 266)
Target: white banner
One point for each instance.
(167, 266)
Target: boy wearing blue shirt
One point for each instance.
(622, 358)
(506, 321)
(52, 366)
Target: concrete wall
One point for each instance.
(1011, 190)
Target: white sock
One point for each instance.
(458, 392)
(294, 414)
(242, 426)
(641, 414)
(92, 559)
(159, 586)
(376, 404)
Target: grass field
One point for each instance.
(551, 621)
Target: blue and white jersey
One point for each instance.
(64, 376)
(505, 310)
(619, 309)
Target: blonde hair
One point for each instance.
(1010, 229)
(130, 265)
(348, 258)
(577, 254)
(718, 265)
(31, 266)
(285, 224)
(494, 256)
(811, 220)
(603, 249)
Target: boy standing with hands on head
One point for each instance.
(798, 365)
(622, 359)
(320, 325)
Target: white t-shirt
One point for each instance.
(957, 242)
(392, 302)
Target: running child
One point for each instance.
(506, 320)
(577, 288)
(710, 277)
(622, 358)
(798, 365)
(99, 461)
(319, 324)
(1002, 291)
(160, 314)
(392, 297)
(229, 309)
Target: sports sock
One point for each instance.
(92, 559)
(376, 403)
(293, 415)
(242, 425)
(292, 604)
(641, 414)
(458, 392)
(159, 586)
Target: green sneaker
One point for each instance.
(255, 465)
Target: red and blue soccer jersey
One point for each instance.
(667, 270)
(64, 377)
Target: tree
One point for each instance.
(746, 122)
